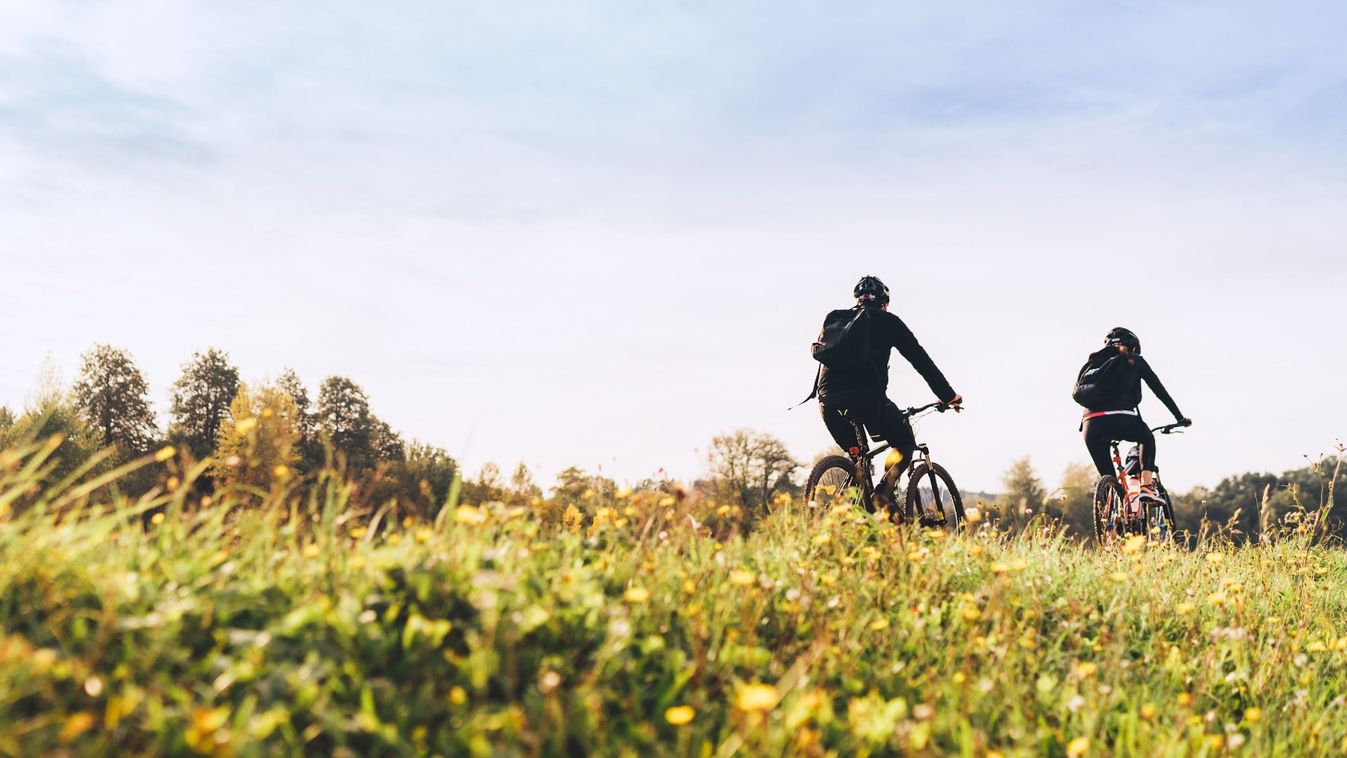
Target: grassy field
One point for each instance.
(274, 623)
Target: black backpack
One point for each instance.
(1100, 379)
(844, 341)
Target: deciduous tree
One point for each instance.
(201, 399)
(113, 398)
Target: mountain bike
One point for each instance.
(1118, 510)
(932, 497)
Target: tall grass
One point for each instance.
(289, 621)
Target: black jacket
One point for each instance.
(1129, 395)
(887, 332)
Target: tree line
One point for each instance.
(257, 434)
(1248, 507)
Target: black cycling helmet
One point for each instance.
(1120, 336)
(870, 291)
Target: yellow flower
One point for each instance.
(679, 715)
(1086, 669)
(1184, 608)
(1184, 700)
(1117, 577)
(1216, 598)
(458, 696)
(245, 425)
(743, 578)
(894, 458)
(1135, 544)
(357, 532)
(636, 595)
(281, 471)
(1252, 715)
(311, 550)
(1077, 747)
(1148, 711)
(467, 514)
(157, 518)
(165, 453)
(756, 697)
(76, 725)
(1316, 647)
(1214, 558)
(999, 568)
(667, 502)
(822, 538)
(971, 612)
(879, 625)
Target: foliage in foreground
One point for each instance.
(168, 625)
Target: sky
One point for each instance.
(601, 233)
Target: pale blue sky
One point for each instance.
(600, 233)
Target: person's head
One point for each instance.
(870, 291)
(1124, 339)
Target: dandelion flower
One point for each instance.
(1214, 558)
(1252, 715)
(636, 595)
(458, 696)
(467, 514)
(743, 578)
(157, 519)
(1148, 711)
(879, 625)
(1077, 747)
(1135, 544)
(679, 715)
(756, 697)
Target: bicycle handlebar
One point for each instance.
(937, 406)
(1172, 428)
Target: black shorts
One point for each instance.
(876, 412)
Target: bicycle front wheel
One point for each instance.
(1108, 511)
(831, 482)
(933, 498)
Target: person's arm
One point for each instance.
(1153, 382)
(902, 338)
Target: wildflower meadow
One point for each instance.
(291, 619)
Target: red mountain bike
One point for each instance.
(932, 498)
(1118, 509)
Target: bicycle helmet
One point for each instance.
(1126, 337)
(871, 291)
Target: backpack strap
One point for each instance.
(812, 393)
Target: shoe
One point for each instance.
(1148, 492)
(883, 502)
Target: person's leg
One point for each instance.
(1144, 437)
(895, 429)
(1098, 434)
(837, 418)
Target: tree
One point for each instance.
(113, 398)
(488, 486)
(258, 442)
(430, 473)
(1022, 496)
(522, 487)
(344, 419)
(751, 467)
(387, 444)
(201, 399)
(310, 447)
(57, 418)
(1074, 506)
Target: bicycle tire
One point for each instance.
(1107, 507)
(825, 474)
(1166, 512)
(946, 495)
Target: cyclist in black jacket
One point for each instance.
(858, 393)
(1118, 417)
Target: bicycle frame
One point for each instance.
(1131, 486)
(864, 457)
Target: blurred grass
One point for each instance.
(289, 622)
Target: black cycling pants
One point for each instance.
(877, 413)
(1101, 431)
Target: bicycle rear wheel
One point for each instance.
(1160, 517)
(832, 482)
(933, 498)
(1108, 511)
